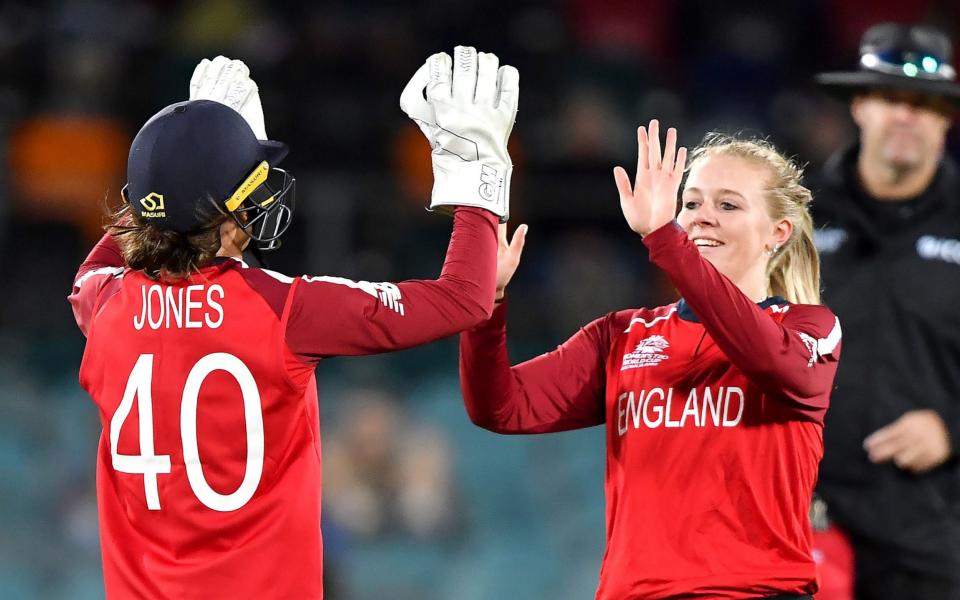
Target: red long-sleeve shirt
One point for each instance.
(208, 472)
(713, 407)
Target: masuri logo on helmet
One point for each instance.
(153, 203)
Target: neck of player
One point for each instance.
(754, 285)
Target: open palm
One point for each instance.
(651, 201)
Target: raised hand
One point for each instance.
(651, 202)
(228, 82)
(416, 106)
(467, 116)
(508, 256)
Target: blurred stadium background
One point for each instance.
(418, 502)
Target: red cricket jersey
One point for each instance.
(208, 472)
(714, 411)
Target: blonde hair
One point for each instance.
(793, 271)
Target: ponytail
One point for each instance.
(794, 270)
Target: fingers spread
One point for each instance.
(464, 72)
(681, 163)
(508, 89)
(623, 182)
(412, 100)
(670, 150)
(643, 157)
(440, 77)
(488, 66)
(655, 156)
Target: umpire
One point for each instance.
(888, 217)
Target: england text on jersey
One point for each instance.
(703, 407)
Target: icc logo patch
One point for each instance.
(152, 204)
(650, 352)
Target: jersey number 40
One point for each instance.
(150, 464)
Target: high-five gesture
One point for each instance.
(467, 116)
(228, 82)
(652, 201)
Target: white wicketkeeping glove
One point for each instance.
(467, 116)
(228, 82)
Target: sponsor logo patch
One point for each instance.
(152, 205)
(488, 183)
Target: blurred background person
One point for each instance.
(386, 475)
(888, 209)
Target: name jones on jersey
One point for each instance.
(187, 307)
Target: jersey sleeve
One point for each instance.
(557, 391)
(103, 265)
(333, 316)
(794, 360)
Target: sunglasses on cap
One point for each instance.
(909, 63)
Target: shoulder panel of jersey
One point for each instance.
(817, 326)
(648, 317)
(91, 291)
(272, 286)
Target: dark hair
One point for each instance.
(163, 253)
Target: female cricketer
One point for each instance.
(713, 405)
(202, 368)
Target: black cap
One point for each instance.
(188, 159)
(915, 58)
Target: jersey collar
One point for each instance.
(686, 313)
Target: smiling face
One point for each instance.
(725, 213)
